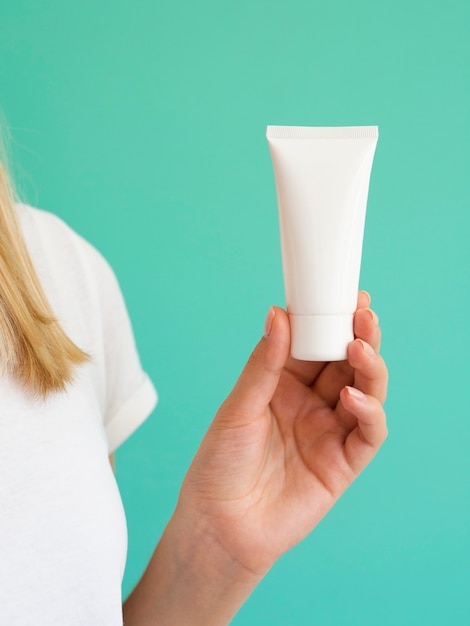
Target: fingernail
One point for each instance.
(368, 349)
(367, 294)
(356, 394)
(268, 324)
(373, 316)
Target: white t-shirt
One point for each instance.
(63, 537)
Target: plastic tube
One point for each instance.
(322, 182)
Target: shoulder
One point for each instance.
(87, 300)
(51, 240)
(79, 283)
(47, 228)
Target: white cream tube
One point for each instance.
(322, 181)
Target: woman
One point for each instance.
(283, 447)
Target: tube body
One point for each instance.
(322, 182)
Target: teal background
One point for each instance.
(142, 124)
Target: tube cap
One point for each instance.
(320, 337)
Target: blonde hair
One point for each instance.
(34, 349)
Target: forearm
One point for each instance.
(190, 581)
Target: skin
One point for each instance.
(283, 447)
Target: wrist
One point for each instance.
(201, 564)
(191, 579)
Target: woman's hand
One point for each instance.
(289, 439)
(287, 442)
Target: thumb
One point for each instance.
(257, 383)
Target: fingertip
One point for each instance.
(368, 349)
(277, 334)
(367, 315)
(278, 321)
(363, 299)
(370, 371)
(366, 327)
(268, 324)
(354, 394)
(367, 409)
(357, 350)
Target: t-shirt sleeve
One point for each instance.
(129, 395)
